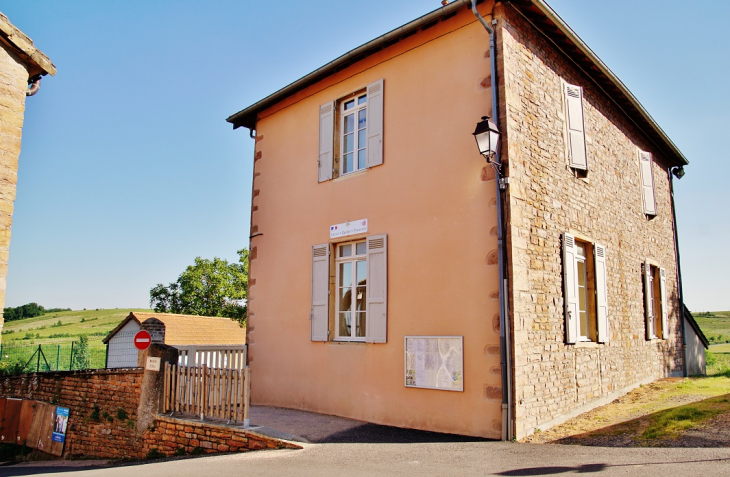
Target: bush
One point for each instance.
(10, 367)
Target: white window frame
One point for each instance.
(586, 289)
(354, 258)
(357, 147)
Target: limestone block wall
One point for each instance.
(13, 84)
(545, 199)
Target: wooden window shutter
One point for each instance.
(320, 292)
(601, 293)
(326, 140)
(576, 129)
(647, 182)
(648, 313)
(663, 296)
(377, 289)
(570, 274)
(375, 123)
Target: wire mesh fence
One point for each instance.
(27, 358)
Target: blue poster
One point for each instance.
(60, 424)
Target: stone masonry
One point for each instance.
(553, 379)
(19, 60)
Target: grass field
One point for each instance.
(715, 325)
(55, 332)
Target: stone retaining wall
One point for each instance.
(103, 406)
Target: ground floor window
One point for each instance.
(351, 279)
(655, 301)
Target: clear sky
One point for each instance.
(128, 170)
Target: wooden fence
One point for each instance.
(213, 356)
(208, 392)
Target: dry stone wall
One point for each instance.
(545, 199)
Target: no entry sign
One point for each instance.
(142, 340)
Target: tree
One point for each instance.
(208, 287)
(81, 358)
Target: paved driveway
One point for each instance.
(424, 459)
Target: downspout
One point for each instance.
(680, 293)
(504, 332)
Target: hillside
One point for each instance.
(715, 325)
(64, 327)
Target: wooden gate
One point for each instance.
(208, 392)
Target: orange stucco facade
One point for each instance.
(431, 196)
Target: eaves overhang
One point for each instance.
(536, 12)
(36, 62)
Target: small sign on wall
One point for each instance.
(153, 364)
(434, 362)
(349, 228)
(60, 423)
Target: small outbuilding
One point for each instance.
(695, 346)
(211, 340)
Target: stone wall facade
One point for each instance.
(103, 406)
(177, 437)
(13, 84)
(545, 199)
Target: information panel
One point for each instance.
(435, 362)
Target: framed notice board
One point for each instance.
(434, 362)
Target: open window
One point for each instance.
(655, 301)
(586, 303)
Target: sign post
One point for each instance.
(142, 340)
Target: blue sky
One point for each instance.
(128, 170)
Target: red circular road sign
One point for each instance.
(142, 340)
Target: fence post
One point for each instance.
(1, 352)
(38, 365)
(246, 396)
(71, 360)
(58, 357)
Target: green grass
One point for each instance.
(55, 332)
(715, 325)
(96, 325)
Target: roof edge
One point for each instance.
(20, 41)
(555, 18)
(247, 117)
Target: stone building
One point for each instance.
(21, 68)
(398, 279)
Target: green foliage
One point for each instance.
(9, 367)
(81, 358)
(180, 451)
(198, 451)
(122, 414)
(208, 288)
(95, 416)
(57, 324)
(28, 311)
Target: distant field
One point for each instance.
(64, 327)
(715, 325)
(55, 332)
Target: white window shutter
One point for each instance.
(375, 123)
(649, 315)
(576, 129)
(663, 296)
(326, 140)
(320, 292)
(377, 289)
(601, 293)
(647, 182)
(570, 274)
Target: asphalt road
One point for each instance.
(425, 458)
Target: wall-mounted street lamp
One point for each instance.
(487, 137)
(678, 172)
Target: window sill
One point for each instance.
(350, 175)
(346, 342)
(586, 344)
(656, 340)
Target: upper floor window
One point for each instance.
(351, 133)
(575, 129)
(647, 183)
